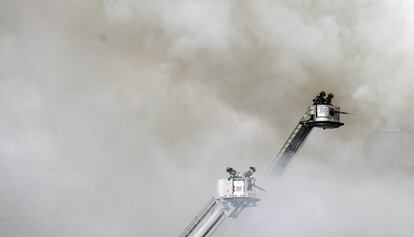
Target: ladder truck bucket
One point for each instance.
(233, 195)
(323, 116)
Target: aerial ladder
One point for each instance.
(233, 195)
(238, 191)
(321, 114)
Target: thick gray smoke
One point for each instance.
(118, 116)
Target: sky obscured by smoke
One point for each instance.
(118, 116)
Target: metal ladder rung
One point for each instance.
(291, 138)
(290, 141)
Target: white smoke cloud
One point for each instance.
(118, 116)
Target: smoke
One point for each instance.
(118, 116)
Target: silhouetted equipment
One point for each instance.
(347, 113)
(322, 114)
(233, 195)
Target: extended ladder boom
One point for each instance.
(290, 148)
(209, 218)
(321, 114)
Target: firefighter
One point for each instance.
(329, 98)
(320, 99)
(232, 172)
